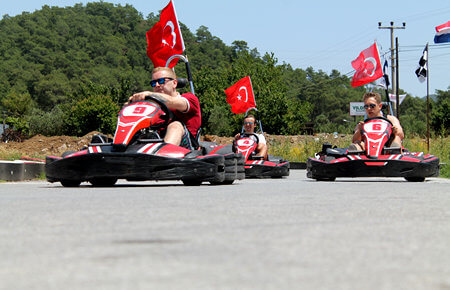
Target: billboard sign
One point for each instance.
(357, 109)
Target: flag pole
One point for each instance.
(428, 100)
(257, 112)
(396, 80)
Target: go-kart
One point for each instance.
(377, 160)
(138, 153)
(255, 166)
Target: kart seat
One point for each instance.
(182, 83)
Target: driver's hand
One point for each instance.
(237, 136)
(138, 96)
(359, 126)
(394, 130)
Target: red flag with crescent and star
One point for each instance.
(367, 66)
(164, 39)
(240, 96)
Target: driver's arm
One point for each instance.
(357, 132)
(174, 103)
(396, 127)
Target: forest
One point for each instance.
(68, 71)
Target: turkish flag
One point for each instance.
(367, 66)
(164, 39)
(240, 96)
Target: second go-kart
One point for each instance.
(377, 160)
(255, 166)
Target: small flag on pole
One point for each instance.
(422, 70)
(164, 39)
(367, 66)
(240, 96)
(442, 33)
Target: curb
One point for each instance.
(19, 170)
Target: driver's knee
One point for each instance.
(262, 150)
(396, 142)
(359, 145)
(174, 134)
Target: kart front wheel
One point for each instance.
(70, 183)
(415, 179)
(103, 181)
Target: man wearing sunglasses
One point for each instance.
(249, 127)
(373, 106)
(186, 108)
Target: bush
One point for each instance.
(94, 113)
(47, 123)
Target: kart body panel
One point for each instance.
(138, 153)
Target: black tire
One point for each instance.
(415, 179)
(103, 181)
(325, 178)
(192, 182)
(225, 182)
(70, 183)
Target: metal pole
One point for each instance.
(397, 114)
(188, 69)
(428, 100)
(393, 68)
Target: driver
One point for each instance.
(186, 108)
(373, 105)
(249, 127)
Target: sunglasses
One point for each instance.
(160, 81)
(248, 123)
(372, 106)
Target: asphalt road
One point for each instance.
(293, 233)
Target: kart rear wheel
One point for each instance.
(103, 181)
(415, 179)
(70, 183)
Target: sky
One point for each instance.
(324, 35)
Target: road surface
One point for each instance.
(292, 233)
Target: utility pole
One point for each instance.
(393, 57)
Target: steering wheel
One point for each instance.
(379, 118)
(245, 134)
(168, 115)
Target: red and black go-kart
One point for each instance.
(138, 153)
(255, 166)
(376, 161)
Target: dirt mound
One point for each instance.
(40, 146)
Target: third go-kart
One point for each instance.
(377, 160)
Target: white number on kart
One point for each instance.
(245, 142)
(138, 110)
(378, 127)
